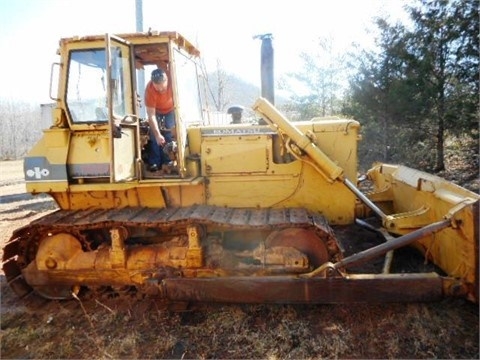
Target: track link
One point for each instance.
(21, 248)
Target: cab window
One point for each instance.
(86, 96)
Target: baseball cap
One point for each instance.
(158, 76)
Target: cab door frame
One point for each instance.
(123, 136)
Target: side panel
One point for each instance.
(89, 155)
(246, 167)
(235, 154)
(338, 139)
(45, 165)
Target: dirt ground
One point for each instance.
(109, 328)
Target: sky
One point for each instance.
(223, 30)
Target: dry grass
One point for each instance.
(143, 329)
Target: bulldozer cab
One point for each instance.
(103, 89)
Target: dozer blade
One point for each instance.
(287, 290)
(412, 199)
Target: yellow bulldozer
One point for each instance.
(265, 211)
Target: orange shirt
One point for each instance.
(162, 102)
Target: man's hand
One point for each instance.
(160, 139)
(152, 121)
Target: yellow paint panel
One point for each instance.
(334, 201)
(124, 155)
(234, 154)
(150, 196)
(89, 155)
(250, 191)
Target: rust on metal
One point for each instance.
(354, 288)
(97, 251)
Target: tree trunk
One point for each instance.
(440, 163)
(386, 155)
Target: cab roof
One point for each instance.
(146, 43)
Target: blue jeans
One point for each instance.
(156, 154)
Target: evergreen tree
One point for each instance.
(443, 61)
(420, 85)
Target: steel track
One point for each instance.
(21, 248)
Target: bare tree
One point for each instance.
(21, 128)
(323, 77)
(217, 87)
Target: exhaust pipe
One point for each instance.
(266, 67)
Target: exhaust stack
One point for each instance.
(266, 67)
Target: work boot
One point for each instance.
(153, 168)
